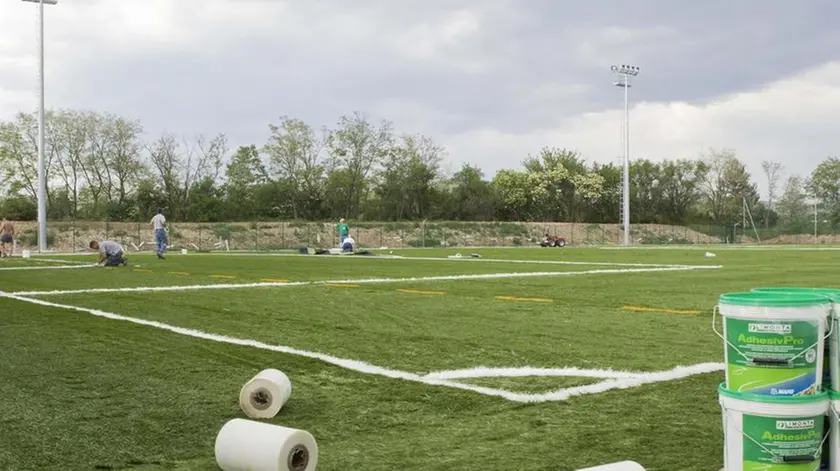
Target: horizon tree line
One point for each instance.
(104, 167)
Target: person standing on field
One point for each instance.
(161, 237)
(343, 231)
(7, 237)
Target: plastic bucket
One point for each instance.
(831, 375)
(833, 447)
(772, 433)
(774, 344)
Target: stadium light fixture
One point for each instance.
(42, 183)
(625, 71)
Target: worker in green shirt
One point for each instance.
(343, 231)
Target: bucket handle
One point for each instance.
(768, 360)
(793, 458)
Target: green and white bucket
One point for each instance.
(772, 433)
(774, 344)
(833, 344)
(834, 433)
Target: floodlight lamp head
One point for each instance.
(625, 69)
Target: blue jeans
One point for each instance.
(160, 241)
(114, 260)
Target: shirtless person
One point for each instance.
(7, 237)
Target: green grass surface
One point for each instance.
(85, 392)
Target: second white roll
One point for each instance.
(265, 394)
(247, 445)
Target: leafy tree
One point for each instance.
(295, 155)
(824, 185)
(792, 206)
(357, 148)
(772, 172)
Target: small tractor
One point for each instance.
(551, 241)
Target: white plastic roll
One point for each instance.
(622, 466)
(265, 394)
(247, 445)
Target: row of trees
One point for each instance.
(103, 166)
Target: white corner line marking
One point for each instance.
(483, 276)
(366, 368)
(493, 372)
(61, 267)
(460, 259)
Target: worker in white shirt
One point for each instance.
(159, 225)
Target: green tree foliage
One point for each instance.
(824, 185)
(102, 166)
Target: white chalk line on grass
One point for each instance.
(61, 261)
(433, 379)
(491, 372)
(60, 267)
(481, 276)
(453, 259)
(432, 259)
(729, 247)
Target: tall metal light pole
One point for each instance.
(626, 71)
(42, 183)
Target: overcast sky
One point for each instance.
(492, 80)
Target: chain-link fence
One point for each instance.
(74, 236)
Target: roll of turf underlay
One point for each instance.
(248, 445)
(265, 394)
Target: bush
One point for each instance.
(30, 238)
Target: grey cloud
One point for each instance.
(327, 57)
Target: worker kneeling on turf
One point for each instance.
(348, 244)
(110, 253)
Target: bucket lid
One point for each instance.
(780, 299)
(768, 399)
(832, 293)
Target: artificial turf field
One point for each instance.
(412, 363)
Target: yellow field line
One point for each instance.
(275, 280)
(415, 291)
(515, 298)
(340, 285)
(142, 271)
(178, 273)
(226, 277)
(664, 311)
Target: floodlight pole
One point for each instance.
(626, 71)
(42, 183)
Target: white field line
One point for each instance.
(491, 372)
(57, 260)
(483, 276)
(730, 247)
(367, 368)
(432, 259)
(60, 267)
(440, 259)
(461, 259)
